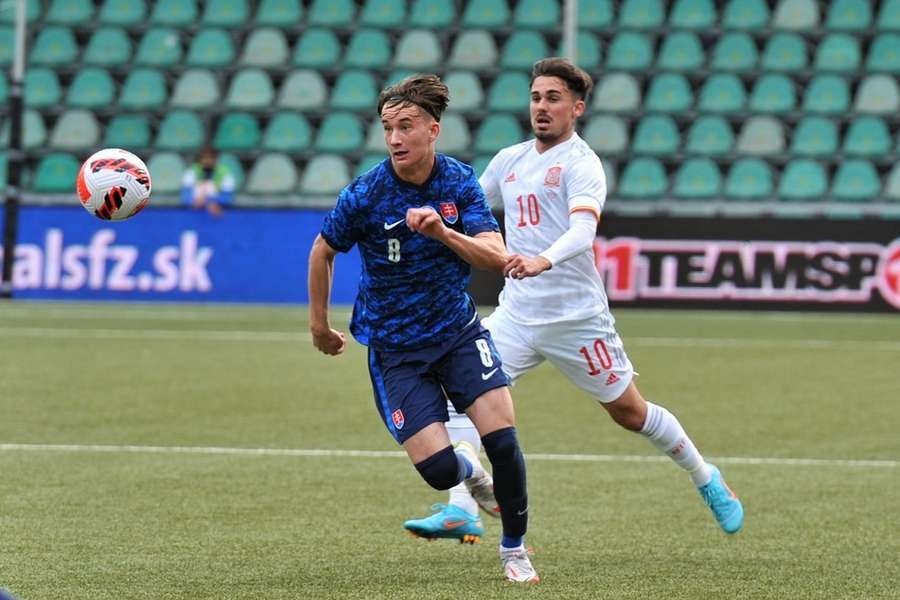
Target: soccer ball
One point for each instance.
(113, 184)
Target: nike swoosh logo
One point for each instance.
(454, 524)
(392, 225)
(522, 512)
(486, 376)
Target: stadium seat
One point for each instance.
(536, 14)
(889, 16)
(418, 49)
(587, 50)
(375, 136)
(287, 132)
(108, 47)
(749, 179)
(174, 13)
(722, 93)
(237, 131)
(710, 136)
(368, 48)
(597, 14)
(606, 134)
(796, 14)
(784, 52)
(332, 13)
(54, 46)
(827, 94)
(354, 90)
(70, 12)
(643, 178)
(496, 132)
(693, 14)
(815, 137)
(855, 180)
(466, 94)
(680, 51)
(303, 89)
(617, 92)
(384, 14)
(317, 48)
(884, 54)
(734, 51)
(34, 132)
(211, 48)
(180, 130)
(745, 14)
(168, 170)
(455, 136)
(656, 135)
(867, 137)
(91, 88)
(511, 91)
(629, 51)
(641, 14)
(250, 89)
(197, 89)
(609, 170)
(279, 13)
(128, 131)
(32, 12)
(697, 178)
(803, 179)
(474, 50)
(432, 14)
(234, 166)
(485, 14)
(123, 12)
(225, 13)
(325, 175)
(761, 135)
(370, 160)
(838, 52)
(4, 87)
(849, 15)
(773, 94)
(877, 94)
(669, 92)
(339, 132)
(892, 185)
(143, 89)
(523, 49)
(160, 47)
(55, 173)
(42, 87)
(398, 75)
(76, 129)
(272, 173)
(7, 45)
(265, 47)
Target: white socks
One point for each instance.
(459, 495)
(666, 433)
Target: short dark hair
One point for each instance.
(577, 79)
(425, 90)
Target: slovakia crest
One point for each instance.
(449, 212)
(397, 418)
(552, 177)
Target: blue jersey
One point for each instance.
(412, 290)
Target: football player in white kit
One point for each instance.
(553, 306)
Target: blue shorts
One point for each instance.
(412, 388)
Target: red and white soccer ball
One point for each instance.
(113, 184)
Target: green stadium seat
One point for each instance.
(160, 47)
(76, 129)
(827, 94)
(143, 89)
(418, 49)
(485, 14)
(609, 169)
(722, 93)
(332, 13)
(272, 173)
(889, 16)
(375, 136)
(32, 11)
(669, 92)
(587, 49)
(496, 132)
(815, 137)
(455, 136)
(855, 180)
(680, 51)
(303, 89)
(91, 88)
(234, 166)
(536, 14)
(225, 13)
(803, 179)
(339, 132)
(174, 13)
(749, 15)
(196, 89)
(368, 161)
(867, 137)
(4, 87)
(123, 12)
(368, 48)
(892, 185)
(761, 135)
(838, 52)
(250, 89)
(325, 175)
(211, 48)
(237, 131)
(849, 15)
(279, 13)
(641, 14)
(749, 179)
(597, 14)
(773, 94)
(710, 136)
(480, 164)
(643, 178)
(7, 45)
(287, 132)
(55, 173)
(265, 47)
(466, 93)
(696, 179)
(42, 88)
(693, 14)
(511, 91)
(607, 135)
(34, 132)
(128, 131)
(736, 52)
(796, 14)
(384, 14)
(656, 135)
(70, 12)
(523, 49)
(432, 14)
(54, 46)
(317, 48)
(785, 52)
(108, 47)
(884, 54)
(180, 130)
(168, 170)
(474, 50)
(398, 75)
(354, 90)
(617, 92)
(629, 51)
(877, 94)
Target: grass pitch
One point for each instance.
(122, 474)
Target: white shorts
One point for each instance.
(588, 351)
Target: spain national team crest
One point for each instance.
(552, 177)
(397, 418)
(449, 212)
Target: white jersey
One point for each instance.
(539, 192)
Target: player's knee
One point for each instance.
(628, 410)
(501, 445)
(441, 470)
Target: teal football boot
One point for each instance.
(449, 522)
(723, 503)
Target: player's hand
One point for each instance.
(329, 341)
(520, 267)
(426, 221)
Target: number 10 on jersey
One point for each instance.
(529, 206)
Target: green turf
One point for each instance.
(121, 525)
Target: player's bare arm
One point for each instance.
(321, 272)
(520, 267)
(485, 250)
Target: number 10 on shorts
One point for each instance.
(602, 356)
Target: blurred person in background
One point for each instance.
(208, 183)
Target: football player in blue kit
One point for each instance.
(420, 219)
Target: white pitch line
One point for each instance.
(313, 452)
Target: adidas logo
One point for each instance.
(611, 379)
(510, 178)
